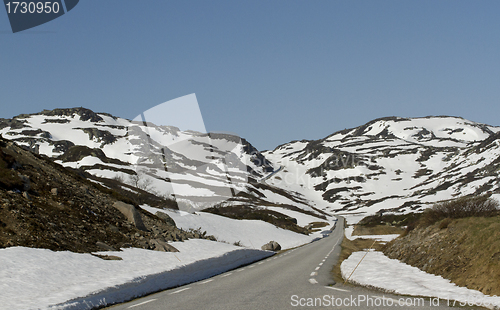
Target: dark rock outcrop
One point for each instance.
(271, 246)
(131, 214)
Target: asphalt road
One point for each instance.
(298, 278)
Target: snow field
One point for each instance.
(249, 233)
(43, 279)
(391, 275)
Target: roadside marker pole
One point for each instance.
(360, 261)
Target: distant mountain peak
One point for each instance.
(84, 113)
(394, 163)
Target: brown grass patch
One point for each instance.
(253, 213)
(464, 207)
(360, 230)
(316, 226)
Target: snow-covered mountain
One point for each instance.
(392, 163)
(198, 170)
(398, 164)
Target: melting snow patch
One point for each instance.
(377, 270)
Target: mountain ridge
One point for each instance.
(390, 163)
(362, 152)
(163, 160)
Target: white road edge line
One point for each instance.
(337, 289)
(207, 281)
(316, 268)
(181, 290)
(227, 274)
(313, 281)
(314, 274)
(142, 303)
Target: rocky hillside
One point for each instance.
(465, 251)
(192, 170)
(45, 205)
(396, 164)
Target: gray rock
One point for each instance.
(165, 217)
(26, 195)
(107, 257)
(54, 191)
(104, 246)
(163, 246)
(170, 248)
(271, 246)
(131, 214)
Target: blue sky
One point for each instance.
(270, 71)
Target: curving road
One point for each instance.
(298, 278)
(271, 174)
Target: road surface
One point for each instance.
(298, 278)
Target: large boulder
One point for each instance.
(165, 217)
(131, 214)
(271, 246)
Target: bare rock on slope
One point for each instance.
(271, 246)
(131, 213)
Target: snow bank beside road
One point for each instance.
(249, 233)
(377, 270)
(43, 279)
